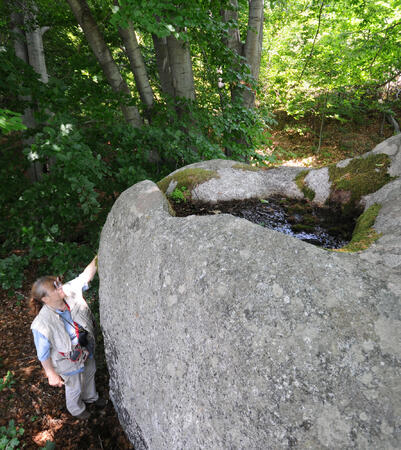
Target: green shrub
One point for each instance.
(12, 271)
(10, 121)
(7, 381)
(56, 220)
(9, 436)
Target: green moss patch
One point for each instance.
(300, 182)
(187, 179)
(243, 166)
(361, 176)
(364, 234)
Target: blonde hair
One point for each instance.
(40, 289)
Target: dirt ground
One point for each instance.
(37, 407)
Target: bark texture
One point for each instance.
(34, 41)
(28, 46)
(253, 46)
(233, 41)
(102, 53)
(137, 64)
(251, 50)
(163, 65)
(17, 22)
(181, 68)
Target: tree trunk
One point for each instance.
(137, 64)
(181, 68)
(251, 50)
(233, 41)
(253, 46)
(102, 53)
(163, 65)
(21, 51)
(34, 41)
(17, 22)
(35, 170)
(391, 120)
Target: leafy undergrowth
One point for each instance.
(36, 408)
(295, 143)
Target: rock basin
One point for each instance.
(222, 334)
(327, 227)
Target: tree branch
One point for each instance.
(388, 81)
(314, 40)
(382, 44)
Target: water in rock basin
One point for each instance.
(326, 227)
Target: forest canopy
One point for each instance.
(97, 95)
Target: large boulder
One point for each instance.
(222, 334)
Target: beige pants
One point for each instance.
(80, 388)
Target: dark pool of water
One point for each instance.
(326, 227)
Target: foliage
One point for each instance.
(10, 121)
(52, 218)
(330, 57)
(7, 381)
(178, 195)
(9, 436)
(12, 271)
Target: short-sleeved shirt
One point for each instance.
(42, 344)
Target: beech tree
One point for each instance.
(251, 49)
(171, 26)
(100, 49)
(28, 46)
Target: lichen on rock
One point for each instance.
(244, 166)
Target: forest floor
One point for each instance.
(40, 409)
(296, 143)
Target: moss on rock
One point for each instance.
(364, 234)
(361, 176)
(244, 166)
(187, 178)
(300, 182)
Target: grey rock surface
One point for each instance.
(222, 334)
(239, 184)
(387, 249)
(392, 148)
(344, 163)
(318, 181)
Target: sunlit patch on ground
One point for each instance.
(310, 161)
(52, 426)
(296, 144)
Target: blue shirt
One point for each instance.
(42, 344)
